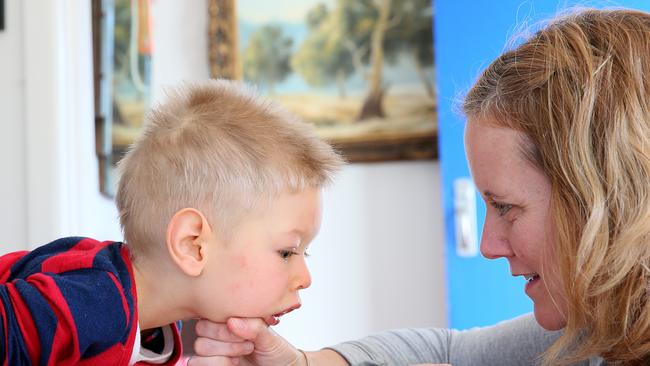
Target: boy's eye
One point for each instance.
(286, 254)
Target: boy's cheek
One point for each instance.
(242, 262)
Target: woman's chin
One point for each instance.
(549, 319)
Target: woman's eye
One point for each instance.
(502, 208)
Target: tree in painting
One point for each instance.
(361, 36)
(414, 36)
(397, 25)
(266, 57)
(323, 57)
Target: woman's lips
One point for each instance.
(531, 281)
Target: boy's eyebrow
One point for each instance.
(303, 236)
(297, 232)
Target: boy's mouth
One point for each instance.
(275, 318)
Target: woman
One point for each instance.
(558, 142)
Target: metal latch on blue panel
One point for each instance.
(465, 218)
(2, 15)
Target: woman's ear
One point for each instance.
(188, 233)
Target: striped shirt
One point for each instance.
(72, 302)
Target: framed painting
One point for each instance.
(362, 71)
(122, 79)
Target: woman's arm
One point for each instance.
(515, 342)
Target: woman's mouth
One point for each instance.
(531, 280)
(531, 276)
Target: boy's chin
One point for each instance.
(215, 318)
(269, 320)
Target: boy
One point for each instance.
(218, 201)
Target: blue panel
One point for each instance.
(469, 35)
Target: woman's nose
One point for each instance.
(494, 239)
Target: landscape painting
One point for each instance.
(122, 53)
(362, 71)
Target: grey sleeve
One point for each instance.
(516, 342)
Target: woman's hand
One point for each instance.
(242, 342)
(250, 342)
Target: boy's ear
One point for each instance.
(188, 233)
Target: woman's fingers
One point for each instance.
(216, 339)
(218, 331)
(211, 361)
(207, 347)
(249, 328)
(248, 338)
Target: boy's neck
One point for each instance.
(157, 295)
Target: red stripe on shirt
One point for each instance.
(8, 260)
(25, 323)
(130, 343)
(65, 345)
(6, 338)
(125, 305)
(79, 256)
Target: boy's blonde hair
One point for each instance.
(580, 91)
(217, 147)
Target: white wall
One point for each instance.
(377, 263)
(180, 42)
(13, 216)
(61, 181)
(48, 188)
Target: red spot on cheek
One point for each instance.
(242, 261)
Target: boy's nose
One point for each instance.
(303, 277)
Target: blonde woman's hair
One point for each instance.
(217, 147)
(579, 89)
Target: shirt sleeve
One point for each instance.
(516, 342)
(49, 318)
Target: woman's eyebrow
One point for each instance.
(491, 195)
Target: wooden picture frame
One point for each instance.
(122, 80)
(383, 106)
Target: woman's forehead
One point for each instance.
(487, 139)
(497, 158)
